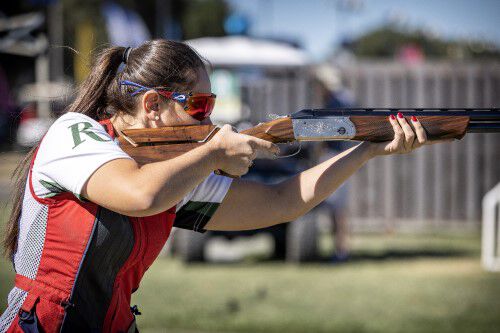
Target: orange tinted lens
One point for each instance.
(210, 105)
(200, 106)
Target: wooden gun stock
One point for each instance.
(379, 129)
(159, 144)
(151, 145)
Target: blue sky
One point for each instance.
(319, 24)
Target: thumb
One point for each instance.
(264, 145)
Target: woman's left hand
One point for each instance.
(406, 137)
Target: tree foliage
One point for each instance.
(388, 41)
(204, 18)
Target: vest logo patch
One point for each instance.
(83, 127)
(53, 188)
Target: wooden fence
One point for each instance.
(277, 93)
(438, 185)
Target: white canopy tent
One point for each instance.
(245, 51)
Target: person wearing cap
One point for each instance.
(333, 94)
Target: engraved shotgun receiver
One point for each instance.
(150, 145)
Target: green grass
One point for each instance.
(424, 294)
(6, 280)
(395, 283)
(6, 271)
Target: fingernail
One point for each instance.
(400, 115)
(392, 117)
(413, 118)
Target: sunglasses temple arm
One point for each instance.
(140, 88)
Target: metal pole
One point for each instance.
(56, 40)
(41, 77)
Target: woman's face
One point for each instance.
(173, 114)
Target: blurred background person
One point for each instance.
(334, 95)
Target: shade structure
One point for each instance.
(246, 51)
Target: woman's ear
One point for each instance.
(151, 104)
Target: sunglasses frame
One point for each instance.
(184, 99)
(180, 97)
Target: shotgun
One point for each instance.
(158, 144)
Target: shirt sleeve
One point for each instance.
(74, 147)
(196, 209)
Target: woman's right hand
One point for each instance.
(234, 153)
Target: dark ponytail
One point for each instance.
(92, 93)
(156, 63)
